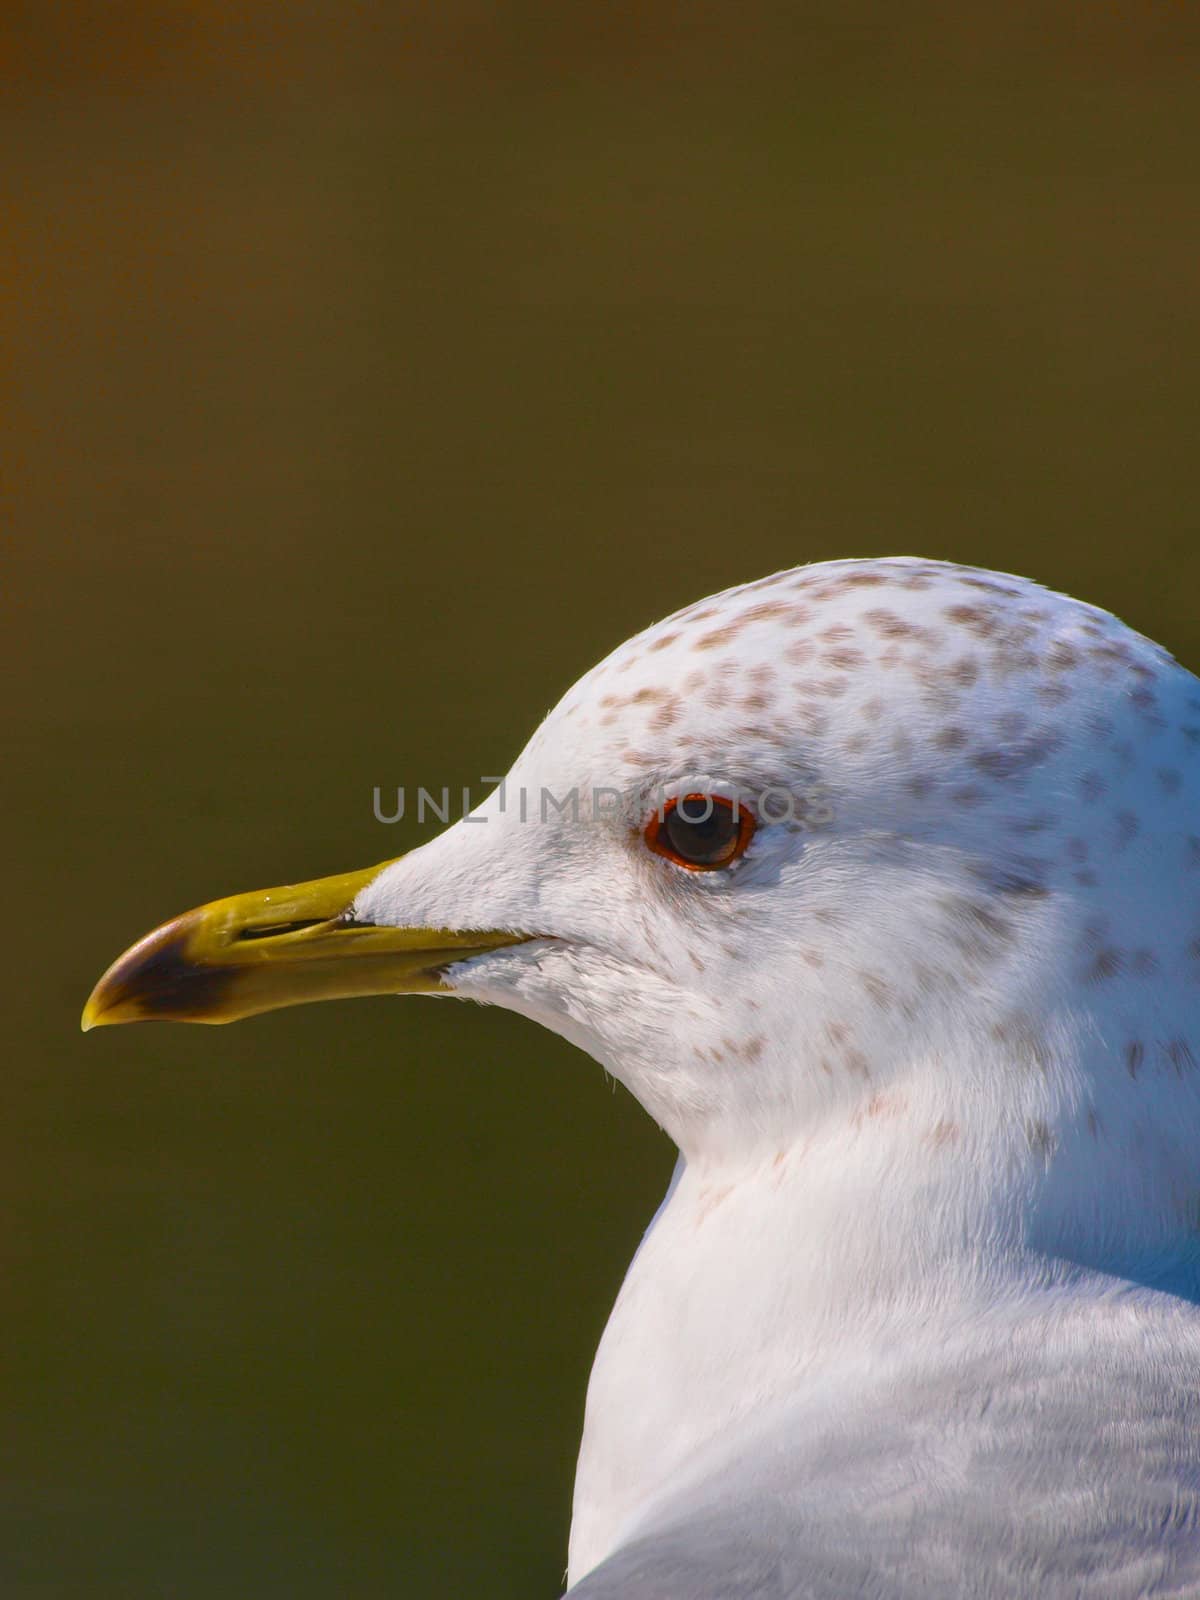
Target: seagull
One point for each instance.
(877, 883)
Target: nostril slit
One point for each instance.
(271, 930)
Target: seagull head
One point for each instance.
(867, 842)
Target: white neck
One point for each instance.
(761, 1277)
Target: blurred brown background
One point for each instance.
(371, 372)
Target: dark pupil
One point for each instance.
(701, 830)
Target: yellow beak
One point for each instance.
(276, 947)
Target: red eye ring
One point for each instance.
(700, 843)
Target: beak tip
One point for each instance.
(93, 1014)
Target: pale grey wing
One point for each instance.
(707, 1560)
(1072, 1476)
(961, 1550)
(715, 1560)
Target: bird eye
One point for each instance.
(700, 831)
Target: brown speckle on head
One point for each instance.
(1180, 1055)
(974, 618)
(878, 990)
(989, 585)
(880, 1107)
(1062, 657)
(890, 625)
(1024, 878)
(942, 1134)
(1042, 1141)
(1105, 963)
(976, 928)
(814, 724)
(766, 610)
(1001, 761)
(710, 1199)
(1127, 828)
(828, 590)
(843, 659)
(926, 979)
(1038, 822)
(665, 715)
(718, 636)
(1125, 753)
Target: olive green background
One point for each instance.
(372, 372)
